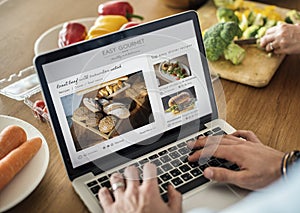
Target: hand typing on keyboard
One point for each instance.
(239, 158)
(136, 197)
(259, 165)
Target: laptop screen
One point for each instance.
(119, 96)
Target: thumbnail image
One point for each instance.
(171, 70)
(109, 110)
(180, 102)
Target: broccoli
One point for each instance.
(217, 39)
(225, 15)
(234, 53)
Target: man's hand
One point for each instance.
(136, 197)
(282, 39)
(259, 164)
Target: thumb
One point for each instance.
(175, 199)
(221, 174)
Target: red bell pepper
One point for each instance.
(71, 32)
(122, 8)
(129, 24)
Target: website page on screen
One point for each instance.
(112, 97)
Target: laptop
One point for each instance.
(136, 96)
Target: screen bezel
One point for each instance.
(136, 150)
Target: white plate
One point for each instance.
(49, 39)
(31, 175)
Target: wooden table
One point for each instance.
(271, 112)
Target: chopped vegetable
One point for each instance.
(292, 17)
(251, 31)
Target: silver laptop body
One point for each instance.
(132, 97)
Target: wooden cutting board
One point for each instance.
(257, 67)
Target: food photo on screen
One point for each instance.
(108, 110)
(174, 69)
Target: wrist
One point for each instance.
(288, 160)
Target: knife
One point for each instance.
(247, 41)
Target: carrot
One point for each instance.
(10, 138)
(13, 162)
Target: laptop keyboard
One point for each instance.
(172, 168)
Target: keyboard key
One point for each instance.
(184, 168)
(184, 150)
(217, 129)
(142, 162)
(159, 171)
(192, 184)
(165, 177)
(157, 162)
(177, 181)
(166, 167)
(153, 156)
(186, 177)
(174, 155)
(193, 164)
(92, 183)
(165, 159)
(162, 152)
(196, 172)
(204, 166)
(176, 163)
(106, 184)
(182, 144)
(214, 163)
(165, 186)
(184, 159)
(220, 133)
(208, 133)
(173, 148)
(190, 140)
(95, 189)
(175, 172)
(101, 179)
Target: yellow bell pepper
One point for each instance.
(106, 24)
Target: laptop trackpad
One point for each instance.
(215, 197)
